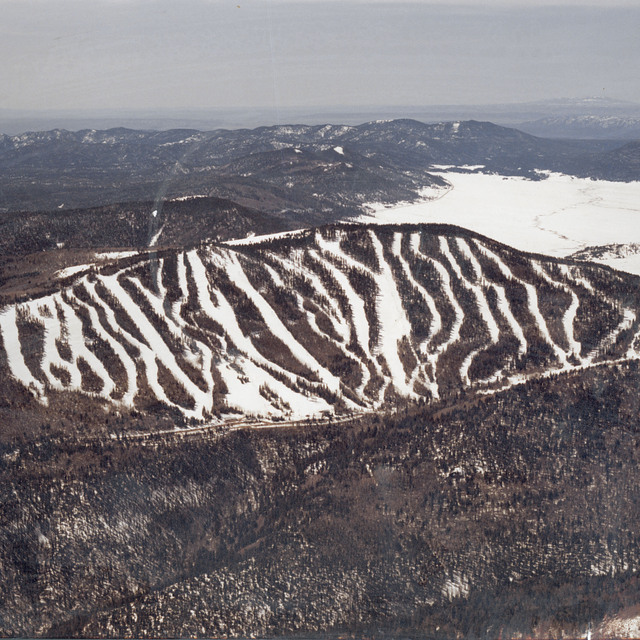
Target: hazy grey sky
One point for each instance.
(140, 54)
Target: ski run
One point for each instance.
(335, 320)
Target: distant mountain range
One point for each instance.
(307, 171)
(585, 127)
(13, 122)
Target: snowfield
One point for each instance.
(556, 216)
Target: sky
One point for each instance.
(172, 54)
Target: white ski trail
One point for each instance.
(11, 340)
(121, 353)
(194, 351)
(394, 324)
(503, 305)
(532, 305)
(514, 325)
(570, 314)
(276, 326)
(76, 342)
(158, 349)
(629, 316)
(311, 319)
(483, 307)
(249, 364)
(333, 311)
(360, 323)
(445, 282)
(436, 319)
(50, 356)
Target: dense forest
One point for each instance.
(512, 512)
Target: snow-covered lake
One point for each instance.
(556, 216)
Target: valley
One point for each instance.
(560, 215)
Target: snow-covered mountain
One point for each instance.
(336, 319)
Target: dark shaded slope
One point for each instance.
(500, 149)
(624, 163)
(61, 169)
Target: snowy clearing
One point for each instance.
(71, 271)
(185, 198)
(115, 255)
(254, 239)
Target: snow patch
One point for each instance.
(254, 239)
(184, 198)
(115, 255)
(156, 237)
